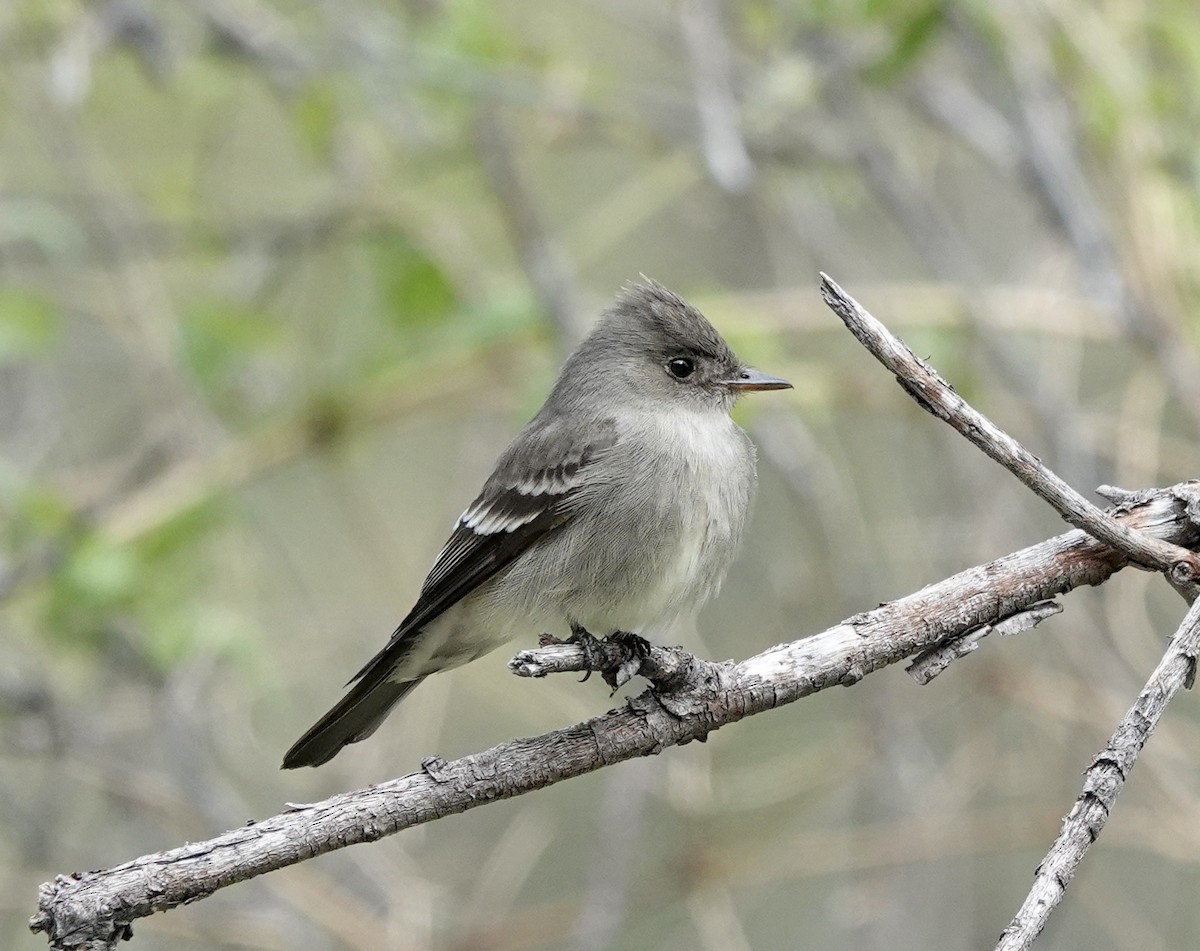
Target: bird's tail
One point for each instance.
(355, 717)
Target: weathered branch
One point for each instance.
(93, 910)
(1102, 783)
(935, 395)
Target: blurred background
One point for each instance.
(279, 279)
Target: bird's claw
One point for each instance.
(598, 655)
(635, 643)
(636, 649)
(593, 651)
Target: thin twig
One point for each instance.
(1102, 783)
(935, 395)
(1051, 139)
(717, 107)
(541, 256)
(620, 821)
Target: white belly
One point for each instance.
(711, 470)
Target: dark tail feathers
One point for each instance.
(356, 717)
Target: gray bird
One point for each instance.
(616, 510)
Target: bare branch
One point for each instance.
(1051, 140)
(935, 395)
(1102, 783)
(717, 107)
(540, 254)
(620, 825)
(94, 910)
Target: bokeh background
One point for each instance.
(278, 279)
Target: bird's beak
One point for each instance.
(751, 379)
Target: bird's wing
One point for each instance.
(531, 492)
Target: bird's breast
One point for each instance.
(698, 480)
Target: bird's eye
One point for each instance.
(681, 368)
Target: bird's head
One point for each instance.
(654, 346)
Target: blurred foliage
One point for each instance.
(28, 322)
(155, 587)
(277, 282)
(221, 344)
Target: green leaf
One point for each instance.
(102, 571)
(413, 288)
(175, 536)
(220, 342)
(150, 592)
(478, 32)
(28, 323)
(913, 37)
(38, 511)
(316, 115)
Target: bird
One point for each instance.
(615, 512)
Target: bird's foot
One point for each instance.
(594, 657)
(672, 671)
(634, 643)
(635, 649)
(617, 657)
